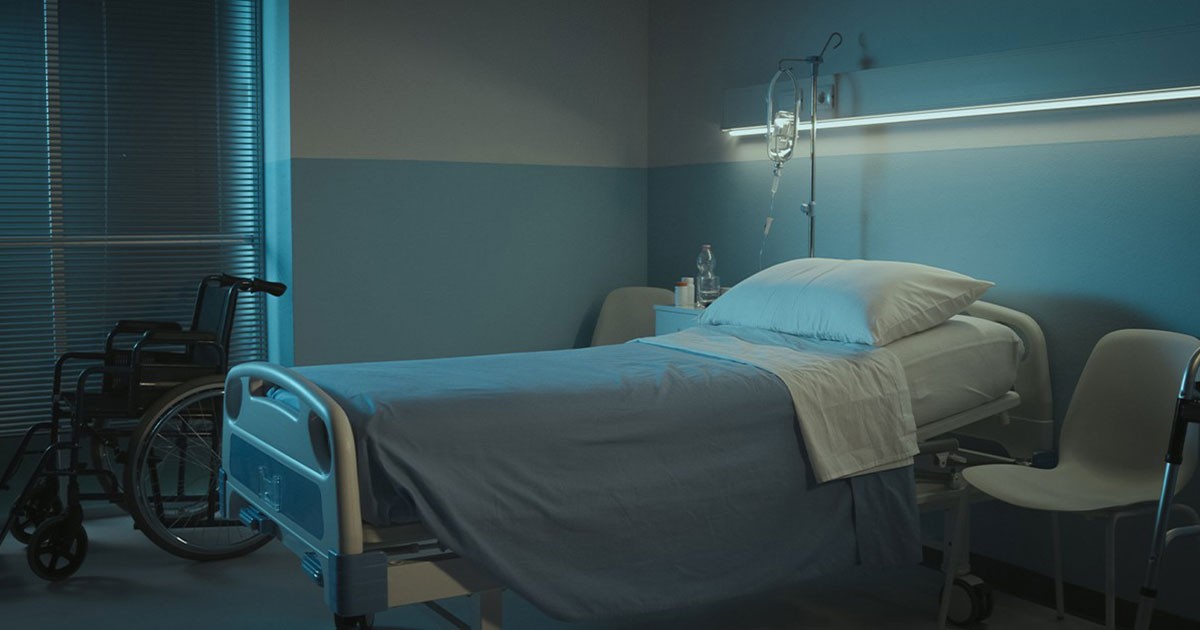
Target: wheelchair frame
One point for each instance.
(141, 389)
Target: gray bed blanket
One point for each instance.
(613, 480)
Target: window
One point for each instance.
(130, 167)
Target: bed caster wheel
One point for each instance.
(355, 622)
(42, 504)
(57, 548)
(971, 601)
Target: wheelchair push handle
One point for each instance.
(274, 288)
(254, 285)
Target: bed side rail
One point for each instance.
(1029, 428)
(289, 452)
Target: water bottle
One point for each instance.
(708, 284)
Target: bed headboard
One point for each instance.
(1029, 427)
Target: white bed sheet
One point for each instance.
(955, 366)
(854, 403)
(851, 401)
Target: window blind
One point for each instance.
(130, 167)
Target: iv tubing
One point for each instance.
(762, 245)
(797, 104)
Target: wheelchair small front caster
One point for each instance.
(57, 548)
(356, 622)
(971, 601)
(41, 504)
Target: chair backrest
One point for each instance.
(628, 313)
(1123, 408)
(215, 305)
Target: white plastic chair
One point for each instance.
(1112, 444)
(628, 313)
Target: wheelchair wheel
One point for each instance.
(57, 547)
(41, 504)
(172, 475)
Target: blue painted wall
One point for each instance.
(409, 259)
(465, 177)
(1087, 221)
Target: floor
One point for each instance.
(126, 582)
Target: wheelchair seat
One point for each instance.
(164, 354)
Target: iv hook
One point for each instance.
(835, 46)
(816, 59)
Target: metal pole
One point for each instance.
(1149, 590)
(1187, 411)
(810, 207)
(812, 161)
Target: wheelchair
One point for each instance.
(149, 409)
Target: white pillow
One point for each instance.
(857, 301)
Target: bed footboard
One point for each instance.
(291, 451)
(291, 471)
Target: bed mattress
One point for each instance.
(958, 365)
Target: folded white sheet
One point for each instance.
(851, 400)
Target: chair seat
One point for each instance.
(1070, 487)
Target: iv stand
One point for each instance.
(810, 207)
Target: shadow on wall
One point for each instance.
(583, 337)
(865, 60)
(1073, 325)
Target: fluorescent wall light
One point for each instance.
(1147, 96)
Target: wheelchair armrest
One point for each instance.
(81, 382)
(188, 338)
(138, 326)
(69, 356)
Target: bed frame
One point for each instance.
(291, 471)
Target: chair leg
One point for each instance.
(491, 610)
(952, 556)
(1110, 574)
(1059, 604)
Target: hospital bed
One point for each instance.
(293, 469)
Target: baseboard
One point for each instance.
(1081, 602)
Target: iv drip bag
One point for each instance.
(781, 122)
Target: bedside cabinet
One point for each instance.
(669, 319)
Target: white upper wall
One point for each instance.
(519, 82)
